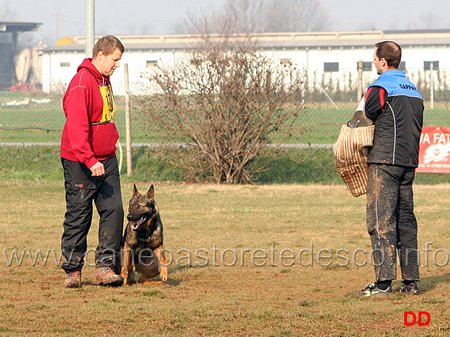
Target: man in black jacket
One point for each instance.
(394, 104)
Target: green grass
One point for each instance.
(222, 299)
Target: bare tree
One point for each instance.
(6, 13)
(226, 99)
(244, 15)
(429, 20)
(226, 104)
(294, 16)
(256, 16)
(238, 16)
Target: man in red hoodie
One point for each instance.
(91, 173)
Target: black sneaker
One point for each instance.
(373, 290)
(411, 288)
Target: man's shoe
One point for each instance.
(411, 288)
(373, 290)
(73, 279)
(107, 277)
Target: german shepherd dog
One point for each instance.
(143, 247)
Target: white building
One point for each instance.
(323, 55)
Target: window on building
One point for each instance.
(427, 65)
(6, 37)
(331, 66)
(64, 64)
(151, 63)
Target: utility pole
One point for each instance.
(90, 27)
(57, 25)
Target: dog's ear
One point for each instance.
(135, 190)
(151, 192)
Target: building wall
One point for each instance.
(58, 67)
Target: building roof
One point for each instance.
(16, 26)
(294, 40)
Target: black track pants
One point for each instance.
(391, 221)
(82, 189)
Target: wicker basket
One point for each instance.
(350, 153)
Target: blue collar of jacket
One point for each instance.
(396, 84)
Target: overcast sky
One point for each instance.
(60, 18)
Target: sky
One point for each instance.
(67, 18)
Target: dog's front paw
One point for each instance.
(125, 278)
(163, 274)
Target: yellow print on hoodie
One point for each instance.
(109, 105)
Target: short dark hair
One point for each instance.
(107, 44)
(390, 51)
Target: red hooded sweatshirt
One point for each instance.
(83, 105)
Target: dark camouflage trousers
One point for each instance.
(391, 222)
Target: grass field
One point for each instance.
(280, 260)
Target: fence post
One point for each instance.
(431, 86)
(128, 122)
(360, 81)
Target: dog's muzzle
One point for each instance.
(134, 224)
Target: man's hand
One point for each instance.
(97, 169)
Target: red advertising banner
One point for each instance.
(434, 151)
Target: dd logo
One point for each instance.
(416, 318)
